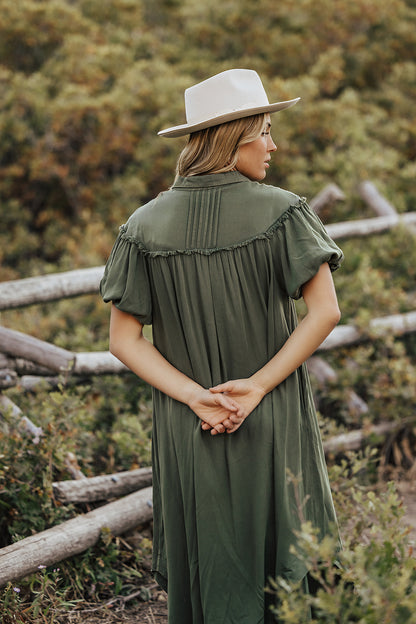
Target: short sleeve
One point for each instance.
(126, 280)
(301, 246)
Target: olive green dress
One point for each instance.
(214, 264)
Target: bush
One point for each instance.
(90, 424)
(106, 428)
(371, 580)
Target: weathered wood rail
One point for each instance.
(25, 359)
(74, 536)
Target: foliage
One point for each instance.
(85, 85)
(371, 580)
(106, 428)
(110, 570)
(103, 431)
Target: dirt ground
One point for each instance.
(154, 610)
(131, 611)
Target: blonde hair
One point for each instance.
(215, 149)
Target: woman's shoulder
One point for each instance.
(279, 198)
(142, 217)
(263, 203)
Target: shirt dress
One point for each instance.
(214, 265)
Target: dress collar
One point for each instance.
(212, 179)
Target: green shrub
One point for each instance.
(92, 424)
(372, 579)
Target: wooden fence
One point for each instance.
(26, 360)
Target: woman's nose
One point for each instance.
(271, 147)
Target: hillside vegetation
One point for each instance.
(84, 87)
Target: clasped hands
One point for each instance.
(223, 408)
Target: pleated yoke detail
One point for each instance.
(203, 219)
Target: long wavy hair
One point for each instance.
(215, 149)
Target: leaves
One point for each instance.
(87, 85)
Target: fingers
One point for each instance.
(224, 387)
(236, 419)
(230, 405)
(227, 402)
(229, 425)
(221, 427)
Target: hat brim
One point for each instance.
(182, 130)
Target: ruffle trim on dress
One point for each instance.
(267, 235)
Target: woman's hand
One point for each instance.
(129, 345)
(215, 410)
(246, 393)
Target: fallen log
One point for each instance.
(321, 370)
(102, 487)
(354, 440)
(74, 536)
(30, 383)
(23, 366)
(375, 200)
(7, 406)
(97, 363)
(324, 373)
(21, 345)
(72, 465)
(18, 293)
(345, 335)
(366, 227)
(83, 364)
(8, 378)
(329, 195)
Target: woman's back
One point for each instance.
(219, 256)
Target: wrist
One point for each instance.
(191, 392)
(260, 385)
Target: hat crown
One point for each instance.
(231, 90)
(232, 94)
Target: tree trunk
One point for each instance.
(74, 536)
(102, 487)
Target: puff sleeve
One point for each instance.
(126, 279)
(301, 245)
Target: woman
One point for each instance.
(214, 264)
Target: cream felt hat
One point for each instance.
(232, 94)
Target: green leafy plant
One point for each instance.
(371, 580)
